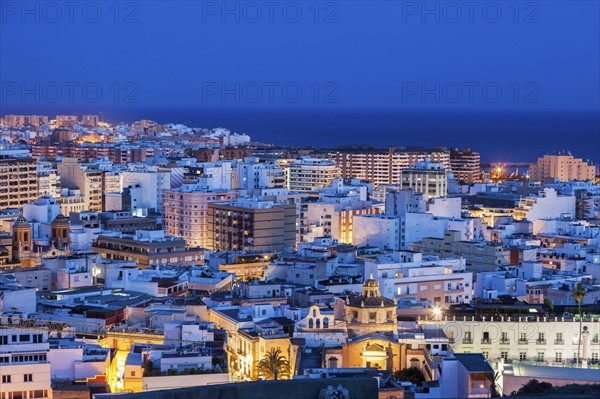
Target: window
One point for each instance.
(504, 355)
(486, 354)
(523, 337)
(540, 356)
(133, 373)
(486, 338)
(594, 358)
(504, 337)
(522, 356)
(6, 379)
(372, 316)
(27, 377)
(558, 357)
(559, 338)
(541, 337)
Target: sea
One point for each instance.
(499, 136)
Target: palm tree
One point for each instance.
(274, 365)
(578, 293)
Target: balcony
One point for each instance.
(541, 342)
(486, 341)
(523, 341)
(467, 340)
(504, 341)
(559, 342)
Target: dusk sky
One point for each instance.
(402, 56)
(368, 54)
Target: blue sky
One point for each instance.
(541, 55)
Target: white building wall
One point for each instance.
(63, 362)
(23, 300)
(377, 230)
(445, 207)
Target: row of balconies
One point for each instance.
(521, 341)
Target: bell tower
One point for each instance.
(60, 235)
(21, 238)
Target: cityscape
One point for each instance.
(143, 256)
(310, 200)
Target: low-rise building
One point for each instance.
(147, 248)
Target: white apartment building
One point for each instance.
(547, 204)
(399, 202)
(395, 232)
(382, 231)
(45, 210)
(334, 220)
(449, 207)
(71, 201)
(152, 184)
(218, 175)
(407, 274)
(24, 366)
(306, 174)
(429, 178)
(48, 180)
(252, 175)
(550, 341)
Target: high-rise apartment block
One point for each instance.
(429, 178)
(66, 120)
(250, 174)
(185, 212)
(89, 120)
(86, 178)
(306, 174)
(465, 165)
(25, 120)
(384, 167)
(561, 167)
(18, 181)
(251, 224)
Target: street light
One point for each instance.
(437, 313)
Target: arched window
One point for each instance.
(314, 312)
(325, 322)
(318, 323)
(310, 323)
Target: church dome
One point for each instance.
(371, 283)
(60, 219)
(21, 222)
(371, 297)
